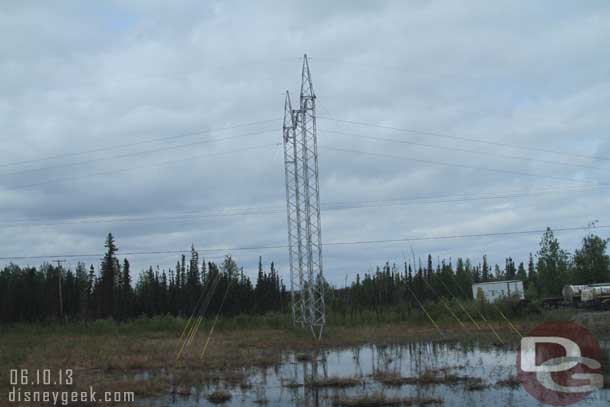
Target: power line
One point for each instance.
(472, 140)
(184, 159)
(163, 163)
(468, 199)
(153, 140)
(536, 231)
(463, 150)
(245, 135)
(445, 164)
(267, 210)
(505, 194)
(335, 243)
(134, 153)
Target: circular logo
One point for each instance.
(560, 363)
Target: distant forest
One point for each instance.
(50, 293)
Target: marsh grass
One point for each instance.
(291, 384)
(475, 384)
(219, 397)
(182, 391)
(334, 382)
(303, 357)
(162, 324)
(533, 312)
(431, 378)
(512, 382)
(391, 379)
(380, 400)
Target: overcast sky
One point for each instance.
(160, 123)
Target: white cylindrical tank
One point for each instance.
(586, 294)
(600, 290)
(595, 292)
(571, 292)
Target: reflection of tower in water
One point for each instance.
(314, 373)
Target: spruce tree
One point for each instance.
(531, 271)
(510, 272)
(82, 288)
(126, 291)
(108, 269)
(522, 275)
(485, 275)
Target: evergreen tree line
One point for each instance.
(416, 282)
(33, 294)
(51, 293)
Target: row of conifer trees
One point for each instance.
(49, 292)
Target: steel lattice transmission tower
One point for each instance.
(303, 208)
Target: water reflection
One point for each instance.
(324, 378)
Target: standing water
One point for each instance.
(423, 373)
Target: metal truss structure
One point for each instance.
(303, 208)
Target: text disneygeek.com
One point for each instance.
(27, 388)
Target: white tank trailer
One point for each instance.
(572, 293)
(593, 295)
(596, 292)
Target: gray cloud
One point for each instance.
(78, 77)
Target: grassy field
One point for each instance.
(103, 352)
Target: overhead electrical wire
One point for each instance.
(335, 243)
(135, 153)
(462, 150)
(472, 140)
(165, 148)
(446, 164)
(114, 171)
(147, 141)
(183, 159)
(251, 211)
(352, 205)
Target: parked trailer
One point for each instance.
(492, 291)
(597, 295)
(572, 293)
(588, 296)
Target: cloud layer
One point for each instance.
(127, 117)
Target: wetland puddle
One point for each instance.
(416, 374)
